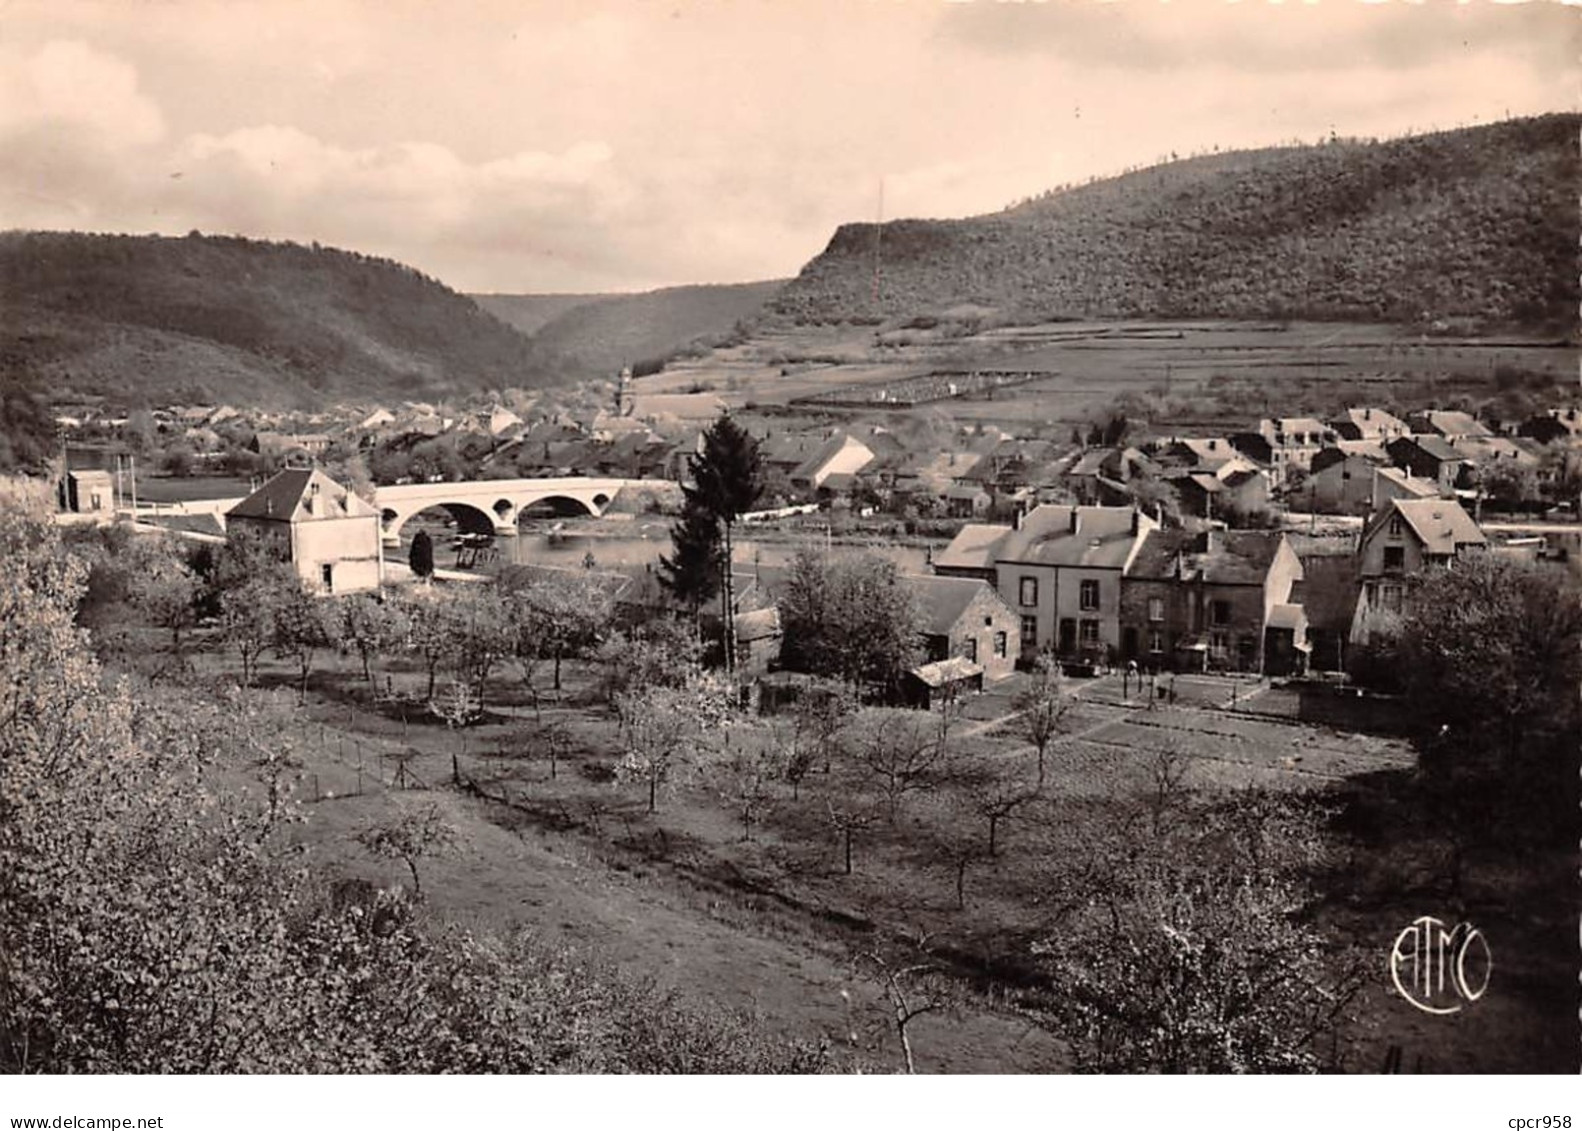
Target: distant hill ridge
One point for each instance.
(205, 318)
(605, 332)
(1475, 223)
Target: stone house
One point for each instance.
(1429, 457)
(1449, 424)
(1399, 543)
(1059, 568)
(1369, 424)
(1341, 478)
(1216, 599)
(332, 538)
(841, 454)
(966, 617)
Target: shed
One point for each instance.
(931, 685)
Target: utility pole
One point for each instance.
(878, 239)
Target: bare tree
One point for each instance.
(899, 750)
(847, 819)
(911, 989)
(414, 836)
(1042, 707)
(1167, 774)
(996, 794)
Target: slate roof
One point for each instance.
(943, 600)
(1340, 450)
(1218, 557)
(288, 495)
(1492, 449)
(1441, 524)
(1450, 423)
(1103, 539)
(973, 547)
(810, 467)
(1423, 488)
(1370, 421)
(1436, 446)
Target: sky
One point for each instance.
(538, 146)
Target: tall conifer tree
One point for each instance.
(727, 478)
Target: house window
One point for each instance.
(1088, 632)
(1390, 595)
(1030, 631)
(1394, 559)
(1396, 526)
(1156, 608)
(971, 649)
(1218, 643)
(1219, 612)
(1088, 595)
(1000, 644)
(327, 576)
(1029, 591)
(1156, 641)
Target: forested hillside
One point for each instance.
(644, 328)
(205, 318)
(1475, 223)
(530, 313)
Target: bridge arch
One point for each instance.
(494, 506)
(563, 506)
(469, 518)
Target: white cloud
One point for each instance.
(540, 144)
(67, 83)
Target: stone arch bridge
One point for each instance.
(492, 506)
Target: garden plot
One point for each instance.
(1240, 750)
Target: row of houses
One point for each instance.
(1100, 584)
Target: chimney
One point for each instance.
(1016, 519)
(1367, 414)
(1135, 517)
(1076, 520)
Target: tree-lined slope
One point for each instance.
(208, 317)
(631, 329)
(1474, 223)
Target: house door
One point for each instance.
(1129, 643)
(1068, 636)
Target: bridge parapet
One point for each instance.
(492, 505)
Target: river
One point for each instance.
(641, 541)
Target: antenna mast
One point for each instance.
(878, 239)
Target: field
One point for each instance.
(1198, 374)
(766, 917)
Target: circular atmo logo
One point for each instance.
(1439, 969)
